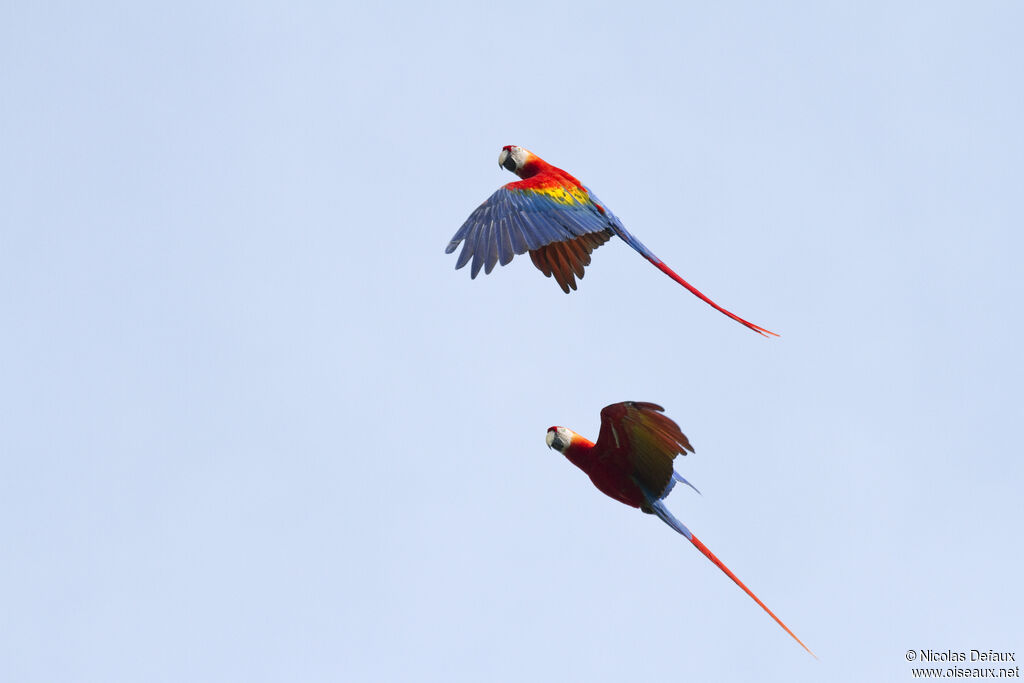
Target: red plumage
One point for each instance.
(632, 463)
(555, 218)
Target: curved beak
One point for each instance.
(553, 441)
(505, 161)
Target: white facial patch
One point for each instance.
(559, 438)
(519, 156)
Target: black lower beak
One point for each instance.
(509, 165)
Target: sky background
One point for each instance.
(255, 427)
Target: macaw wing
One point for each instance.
(552, 219)
(565, 261)
(645, 441)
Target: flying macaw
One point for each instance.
(632, 463)
(552, 215)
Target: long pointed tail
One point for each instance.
(667, 517)
(649, 255)
(718, 563)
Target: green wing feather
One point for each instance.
(644, 440)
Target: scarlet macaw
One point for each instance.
(556, 218)
(632, 463)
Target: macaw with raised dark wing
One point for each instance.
(632, 463)
(552, 215)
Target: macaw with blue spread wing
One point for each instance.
(632, 463)
(552, 215)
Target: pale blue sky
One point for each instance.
(254, 427)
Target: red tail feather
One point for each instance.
(718, 563)
(696, 292)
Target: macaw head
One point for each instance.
(515, 159)
(560, 438)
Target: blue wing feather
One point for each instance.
(514, 221)
(505, 252)
(493, 240)
(465, 254)
(479, 248)
(517, 233)
(672, 483)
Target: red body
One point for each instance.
(632, 463)
(608, 471)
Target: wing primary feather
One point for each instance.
(493, 239)
(517, 238)
(467, 250)
(564, 261)
(576, 255)
(540, 260)
(505, 251)
(479, 250)
(557, 272)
